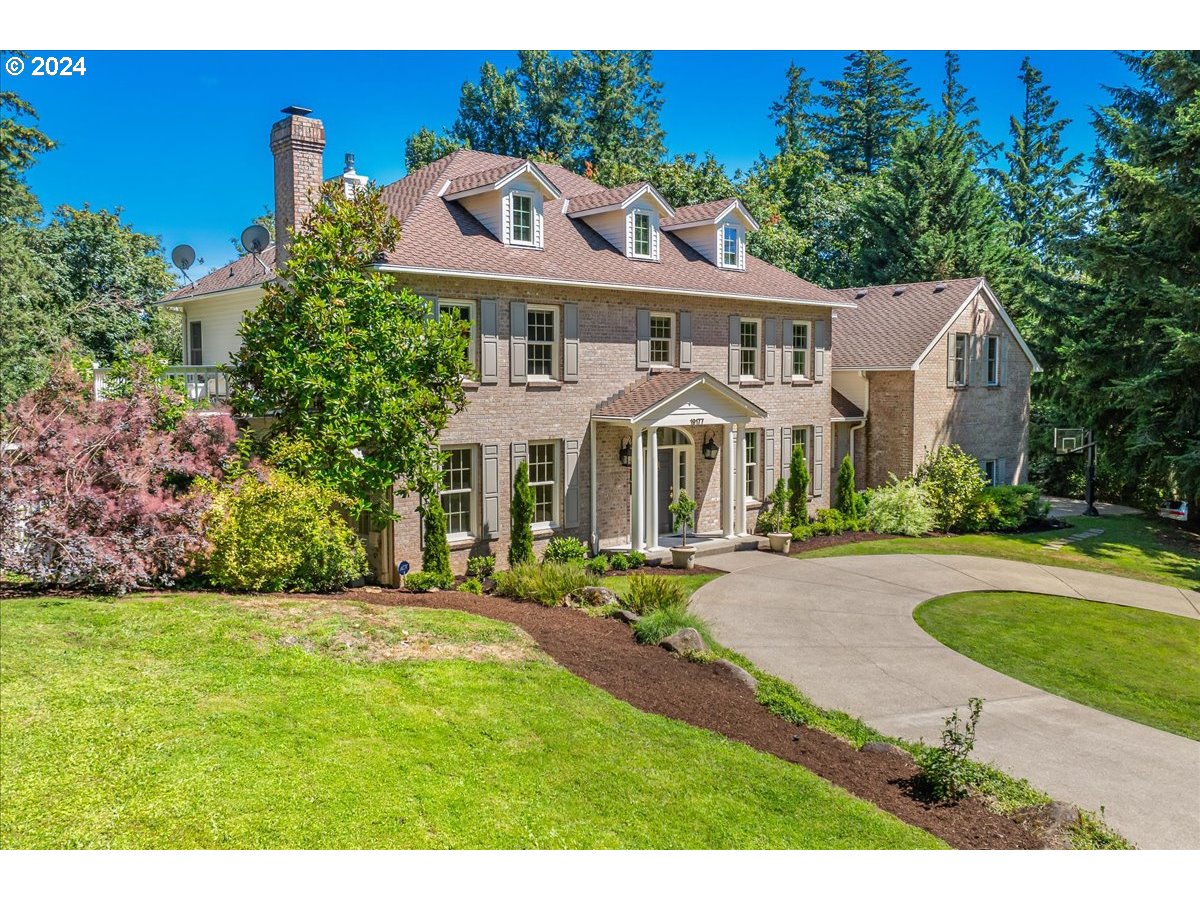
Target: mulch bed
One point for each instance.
(667, 570)
(821, 541)
(604, 652)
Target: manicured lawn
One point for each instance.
(201, 721)
(691, 583)
(1134, 663)
(1133, 546)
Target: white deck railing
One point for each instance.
(202, 384)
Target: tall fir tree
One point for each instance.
(617, 110)
(548, 86)
(960, 109)
(1135, 349)
(867, 108)
(929, 216)
(792, 113)
(491, 114)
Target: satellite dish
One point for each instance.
(255, 239)
(183, 256)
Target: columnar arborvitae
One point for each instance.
(845, 498)
(520, 548)
(435, 554)
(798, 487)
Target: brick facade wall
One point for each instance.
(889, 428)
(503, 413)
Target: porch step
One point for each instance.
(750, 542)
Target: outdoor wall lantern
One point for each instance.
(710, 447)
(626, 453)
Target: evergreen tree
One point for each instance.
(521, 509)
(616, 110)
(845, 497)
(960, 109)
(929, 216)
(435, 553)
(867, 108)
(425, 146)
(491, 114)
(686, 180)
(792, 113)
(547, 85)
(798, 487)
(1135, 349)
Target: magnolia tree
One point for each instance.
(96, 495)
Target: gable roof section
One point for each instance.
(480, 182)
(657, 388)
(708, 214)
(895, 326)
(616, 198)
(245, 271)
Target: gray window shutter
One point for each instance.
(735, 340)
(489, 342)
(818, 367)
(1001, 473)
(685, 340)
(785, 338)
(768, 461)
(1003, 351)
(491, 490)
(785, 444)
(643, 338)
(571, 483)
(973, 341)
(570, 342)
(434, 308)
(818, 461)
(518, 325)
(520, 454)
(769, 364)
(950, 382)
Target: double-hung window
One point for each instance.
(992, 349)
(195, 344)
(729, 246)
(458, 491)
(543, 479)
(960, 359)
(541, 343)
(522, 219)
(800, 339)
(990, 472)
(751, 463)
(462, 311)
(749, 348)
(642, 239)
(662, 339)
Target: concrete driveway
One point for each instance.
(841, 629)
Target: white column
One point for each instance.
(728, 480)
(637, 499)
(739, 489)
(652, 489)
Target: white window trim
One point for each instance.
(193, 323)
(737, 246)
(966, 358)
(805, 373)
(555, 343)
(751, 471)
(512, 219)
(472, 345)
(473, 495)
(991, 373)
(556, 494)
(758, 349)
(649, 254)
(670, 317)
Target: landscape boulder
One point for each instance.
(597, 596)
(887, 750)
(685, 640)
(626, 616)
(737, 672)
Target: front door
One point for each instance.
(666, 492)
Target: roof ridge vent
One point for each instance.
(898, 291)
(939, 287)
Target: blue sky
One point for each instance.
(179, 139)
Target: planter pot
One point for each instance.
(683, 557)
(781, 541)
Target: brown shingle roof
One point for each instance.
(699, 212)
(242, 272)
(473, 180)
(840, 407)
(599, 199)
(894, 323)
(635, 399)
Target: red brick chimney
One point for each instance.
(297, 143)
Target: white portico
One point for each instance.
(675, 424)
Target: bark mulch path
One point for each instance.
(604, 652)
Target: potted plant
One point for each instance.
(683, 512)
(775, 519)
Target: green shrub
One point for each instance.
(619, 561)
(653, 626)
(521, 508)
(471, 586)
(945, 770)
(899, 508)
(802, 532)
(798, 487)
(598, 564)
(637, 559)
(545, 583)
(435, 552)
(429, 581)
(280, 534)
(481, 566)
(564, 549)
(1016, 506)
(952, 484)
(647, 593)
(846, 499)
(775, 517)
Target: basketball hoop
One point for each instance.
(1079, 440)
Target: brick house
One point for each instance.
(625, 349)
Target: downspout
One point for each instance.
(595, 537)
(866, 412)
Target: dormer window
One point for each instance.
(522, 219)
(642, 240)
(729, 246)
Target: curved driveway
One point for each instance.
(841, 629)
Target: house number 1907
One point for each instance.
(699, 421)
